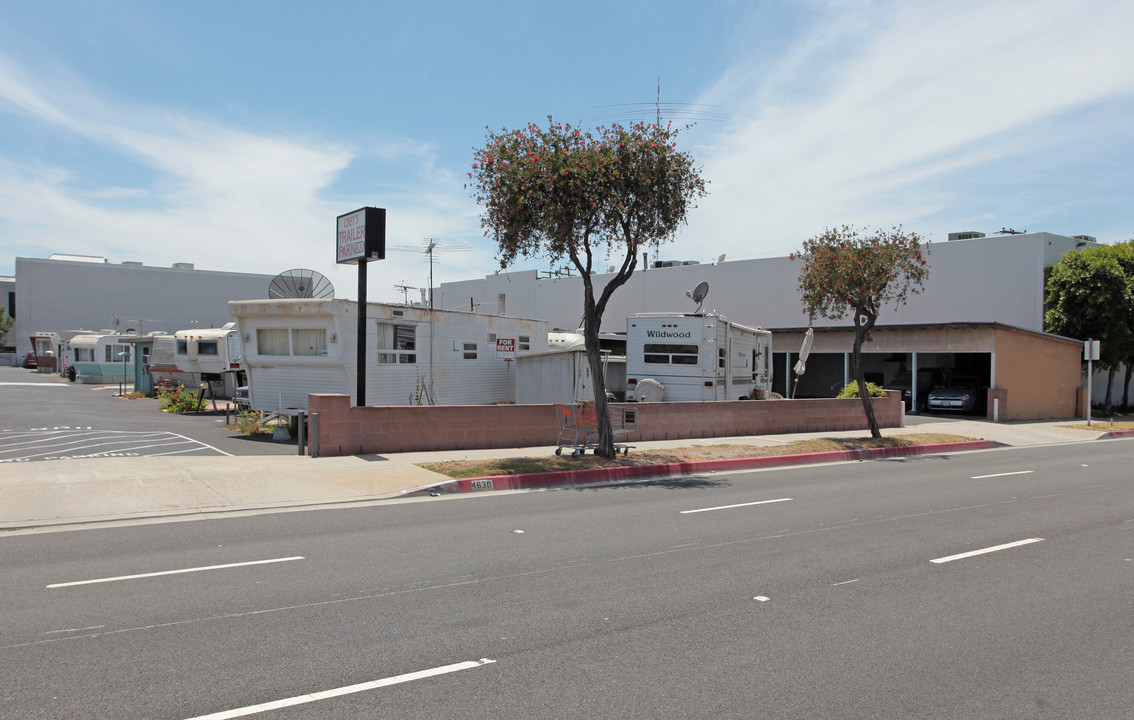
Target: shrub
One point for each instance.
(851, 390)
(179, 399)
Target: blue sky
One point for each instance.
(230, 134)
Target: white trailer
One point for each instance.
(691, 357)
(210, 355)
(414, 356)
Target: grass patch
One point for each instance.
(1103, 425)
(524, 465)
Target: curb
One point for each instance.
(633, 472)
(1114, 434)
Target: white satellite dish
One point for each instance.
(698, 295)
(721, 258)
(300, 283)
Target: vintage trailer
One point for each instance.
(98, 357)
(210, 355)
(679, 356)
(414, 356)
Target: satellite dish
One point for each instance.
(698, 295)
(721, 258)
(300, 283)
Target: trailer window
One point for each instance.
(182, 347)
(525, 343)
(206, 347)
(660, 354)
(272, 341)
(114, 351)
(309, 341)
(469, 350)
(397, 344)
(84, 355)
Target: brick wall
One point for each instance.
(346, 430)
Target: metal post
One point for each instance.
(314, 435)
(301, 432)
(360, 355)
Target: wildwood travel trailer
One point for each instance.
(679, 356)
(414, 356)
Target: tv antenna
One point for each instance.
(404, 289)
(639, 112)
(300, 283)
(698, 295)
(430, 247)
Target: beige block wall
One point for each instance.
(1040, 375)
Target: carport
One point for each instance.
(1029, 375)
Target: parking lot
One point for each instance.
(44, 417)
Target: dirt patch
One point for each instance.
(1102, 426)
(524, 465)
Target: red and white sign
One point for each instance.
(505, 348)
(351, 237)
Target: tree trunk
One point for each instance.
(861, 332)
(598, 383)
(1110, 373)
(1126, 386)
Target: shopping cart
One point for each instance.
(578, 427)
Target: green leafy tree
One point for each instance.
(1090, 296)
(564, 192)
(6, 323)
(845, 271)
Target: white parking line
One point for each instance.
(348, 690)
(1018, 472)
(985, 551)
(729, 507)
(174, 572)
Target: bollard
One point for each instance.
(300, 433)
(314, 435)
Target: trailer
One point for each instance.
(695, 357)
(98, 357)
(212, 356)
(414, 355)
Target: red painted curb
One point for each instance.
(1117, 434)
(575, 477)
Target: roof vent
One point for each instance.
(966, 235)
(1085, 238)
(132, 263)
(182, 266)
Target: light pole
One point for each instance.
(122, 385)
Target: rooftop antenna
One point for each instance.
(640, 112)
(430, 247)
(698, 295)
(405, 292)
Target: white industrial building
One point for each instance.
(985, 284)
(66, 293)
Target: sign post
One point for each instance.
(506, 351)
(360, 237)
(1090, 353)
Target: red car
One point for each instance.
(29, 361)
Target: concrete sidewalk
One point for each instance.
(45, 495)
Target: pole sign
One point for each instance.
(361, 235)
(1091, 349)
(506, 349)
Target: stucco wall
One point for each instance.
(346, 430)
(1041, 375)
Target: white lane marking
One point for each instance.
(729, 507)
(1018, 472)
(347, 690)
(174, 572)
(987, 550)
(71, 630)
(222, 452)
(845, 582)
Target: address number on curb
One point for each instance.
(485, 484)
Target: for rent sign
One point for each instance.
(361, 235)
(505, 348)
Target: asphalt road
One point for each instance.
(44, 417)
(829, 591)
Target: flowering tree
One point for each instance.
(563, 192)
(847, 272)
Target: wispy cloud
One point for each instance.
(223, 197)
(877, 113)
